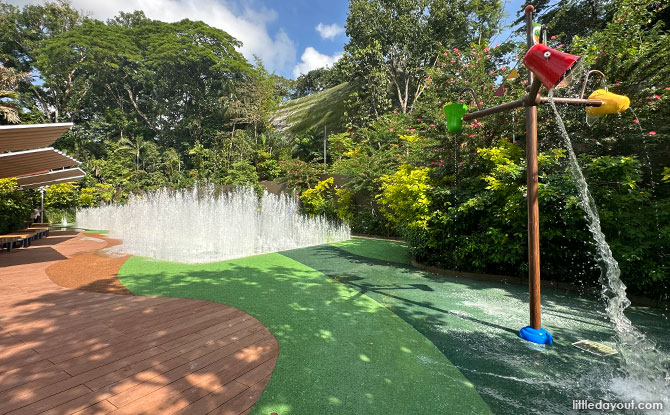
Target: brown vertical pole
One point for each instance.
(533, 207)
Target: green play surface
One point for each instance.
(362, 332)
(340, 352)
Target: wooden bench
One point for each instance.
(41, 231)
(7, 241)
(25, 236)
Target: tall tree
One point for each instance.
(407, 34)
(9, 81)
(567, 19)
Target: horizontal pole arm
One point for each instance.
(521, 103)
(493, 110)
(574, 101)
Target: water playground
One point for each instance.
(208, 301)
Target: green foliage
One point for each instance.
(339, 144)
(242, 174)
(96, 195)
(267, 167)
(481, 224)
(61, 196)
(573, 18)
(15, 206)
(406, 194)
(636, 227)
(345, 206)
(320, 200)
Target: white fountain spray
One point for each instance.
(646, 374)
(199, 225)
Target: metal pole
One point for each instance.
(324, 149)
(42, 205)
(532, 186)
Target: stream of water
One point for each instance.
(645, 372)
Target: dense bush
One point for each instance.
(480, 225)
(321, 199)
(406, 194)
(15, 206)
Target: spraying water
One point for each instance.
(645, 371)
(199, 225)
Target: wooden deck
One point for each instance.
(65, 351)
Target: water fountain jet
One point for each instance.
(202, 225)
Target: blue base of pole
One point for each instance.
(539, 336)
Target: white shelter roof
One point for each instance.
(33, 161)
(30, 136)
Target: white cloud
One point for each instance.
(329, 31)
(311, 59)
(237, 17)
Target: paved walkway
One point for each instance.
(65, 351)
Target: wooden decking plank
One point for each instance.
(219, 338)
(157, 360)
(28, 385)
(74, 381)
(163, 309)
(215, 399)
(79, 347)
(98, 353)
(12, 379)
(81, 338)
(175, 317)
(119, 311)
(195, 365)
(242, 402)
(150, 312)
(190, 388)
(126, 381)
(192, 351)
(59, 335)
(227, 373)
(181, 330)
(82, 406)
(257, 374)
(76, 366)
(20, 408)
(115, 376)
(223, 328)
(9, 373)
(100, 408)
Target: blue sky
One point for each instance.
(290, 36)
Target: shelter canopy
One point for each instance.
(52, 177)
(30, 136)
(31, 161)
